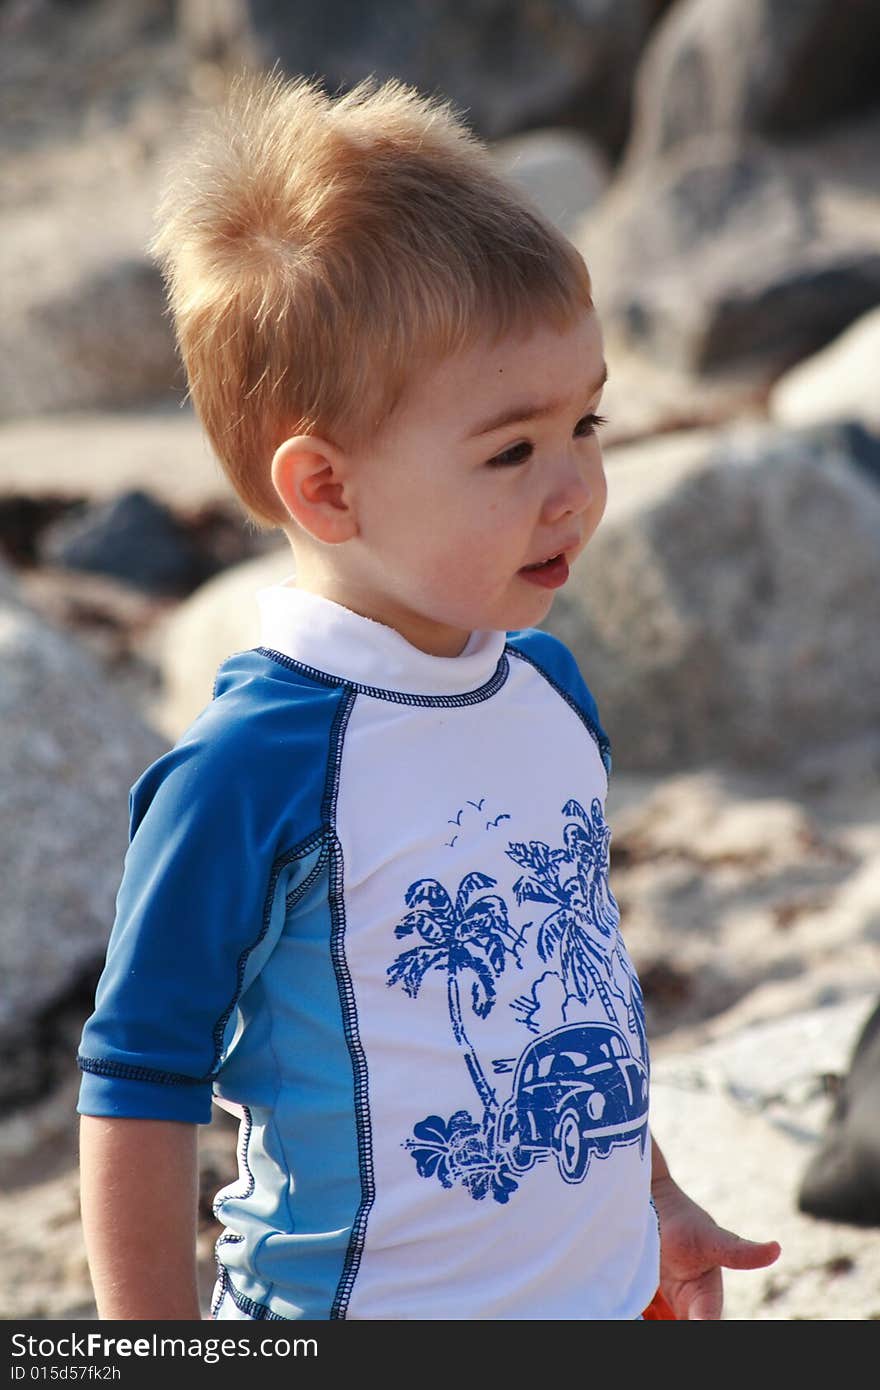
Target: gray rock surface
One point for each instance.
(132, 537)
(96, 454)
(721, 610)
(560, 170)
(69, 753)
(838, 383)
(753, 65)
(737, 1120)
(729, 257)
(842, 1180)
(220, 618)
(509, 67)
(83, 322)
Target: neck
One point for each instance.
(433, 638)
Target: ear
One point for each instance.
(312, 478)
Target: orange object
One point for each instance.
(658, 1308)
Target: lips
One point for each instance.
(550, 574)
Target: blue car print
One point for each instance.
(577, 1091)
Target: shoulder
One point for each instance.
(557, 664)
(266, 736)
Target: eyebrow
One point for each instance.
(518, 414)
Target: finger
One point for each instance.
(737, 1253)
(707, 1299)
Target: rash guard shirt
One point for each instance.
(365, 903)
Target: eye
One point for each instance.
(517, 453)
(590, 424)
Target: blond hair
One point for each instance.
(317, 250)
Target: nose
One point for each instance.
(579, 486)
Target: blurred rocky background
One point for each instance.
(716, 162)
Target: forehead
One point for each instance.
(493, 375)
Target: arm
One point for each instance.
(139, 1191)
(693, 1249)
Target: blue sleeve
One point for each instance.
(200, 907)
(557, 664)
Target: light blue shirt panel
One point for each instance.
(294, 1034)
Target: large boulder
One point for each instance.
(736, 1119)
(70, 751)
(725, 607)
(84, 312)
(561, 171)
(88, 96)
(97, 454)
(838, 383)
(220, 618)
(731, 257)
(842, 1180)
(509, 67)
(766, 66)
(132, 537)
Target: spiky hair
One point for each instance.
(317, 250)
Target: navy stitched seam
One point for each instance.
(128, 1072)
(603, 742)
(280, 863)
(350, 1027)
(220, 1289)
(258, 1311)
(298, 893)
(398, 697)
(243, 1155)
(124, 1071)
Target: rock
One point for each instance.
(735, 1120)
(560, 170)
(728, 258)
(84, 311)
(508, 68)
(132, 537)
(220, 618)
(70, 752)
(721, 612)
(89, 94)
(842, 1180)
(94, 454)
(752, 65)
(111, 620)
(70, 72)
(838, 383)
(645, 398)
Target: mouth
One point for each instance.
(550, 573)
(542, 564)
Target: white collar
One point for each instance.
(323, 635)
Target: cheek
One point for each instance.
(598, 494)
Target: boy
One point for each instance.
(366, 897)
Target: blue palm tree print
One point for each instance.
(467, 936)
(471, 939)
(582, 928)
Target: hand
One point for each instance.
(693, 1251)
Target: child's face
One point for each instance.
(451, 513)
